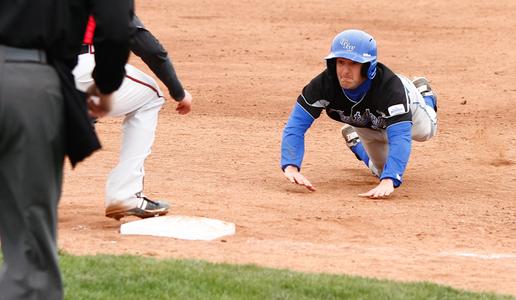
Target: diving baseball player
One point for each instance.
(383, 111)
(138, 101)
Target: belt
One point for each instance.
(85, 48)
(13, 54)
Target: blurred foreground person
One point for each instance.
(42, 119)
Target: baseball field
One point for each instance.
(453, 221)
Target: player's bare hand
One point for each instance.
(99, 104)
(382, 190)
(185, 106)
(294, 176)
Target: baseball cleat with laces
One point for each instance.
(146, 209)
(350, 135)
(424, 88)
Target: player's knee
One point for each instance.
(424, 133)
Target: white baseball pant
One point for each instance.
(139, 101)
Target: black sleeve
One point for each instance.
(112, 39)
(150, 50)
(312, 97)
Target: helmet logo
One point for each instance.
(347, 45)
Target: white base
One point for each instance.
(180, 227)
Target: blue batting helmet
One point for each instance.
(355, 45)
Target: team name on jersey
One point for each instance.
(359, 119)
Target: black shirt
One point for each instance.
(385, 103)
(57, 26)
(146, 46)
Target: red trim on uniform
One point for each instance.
(144, 83)
(90, 31)
(88, 39)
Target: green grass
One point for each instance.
(130, 277)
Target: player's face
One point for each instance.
(348, 73)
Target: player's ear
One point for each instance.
(365, 68)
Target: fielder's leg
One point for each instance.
(126, 179)
(139, 99)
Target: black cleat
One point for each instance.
(147, 209)
(350, 135)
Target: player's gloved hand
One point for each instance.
(99, 104)
(382, 190)
(184, 106)
(293, 174)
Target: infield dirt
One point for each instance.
(245, 62)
